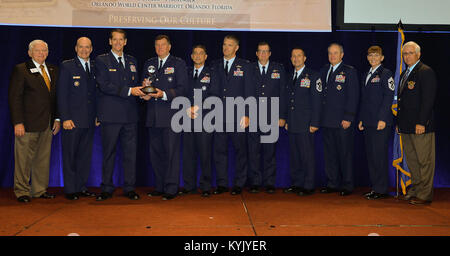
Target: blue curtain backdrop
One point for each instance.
(14, 42)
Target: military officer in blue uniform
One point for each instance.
(339, 108)
(170, 81)
(304, 104)
(231, 78)
(76, 95)
(118, 83)
(197, 144)
(270, 81)
(377, 94)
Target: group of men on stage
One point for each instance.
(85, 93)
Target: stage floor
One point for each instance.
(224, 215)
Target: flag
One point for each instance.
(399, 160)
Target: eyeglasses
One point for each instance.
(408, 53)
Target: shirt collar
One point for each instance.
(199, 70)
(83, 62)
(300, 71)
(336, 66)
(117, 56)
(375, 69)
(39, 65)
(230, 61)
(164, 60)
(413, 66)
(260, 65)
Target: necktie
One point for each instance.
(263, 70)
(368, 76)
(87, 68)
(46, 79)
(160, 65)
(295, 78)
(226, 68)
(196, 74)
(404, 78)
(330, 72)
(121, 63)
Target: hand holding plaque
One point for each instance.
(147, 83)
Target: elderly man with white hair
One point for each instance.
(32, 102)
(415, 123)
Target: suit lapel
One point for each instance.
(30, 65)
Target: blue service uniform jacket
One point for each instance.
(203, 83)
(340, 95)
(114, 82)
(272, 84)
(304, 101)
(416, 100)
(238, 83)
(77, 93)
(376, 98)
(172, 79)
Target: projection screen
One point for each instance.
(247, 15)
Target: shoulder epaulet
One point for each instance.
(67, 61)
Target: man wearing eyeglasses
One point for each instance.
(415, 123)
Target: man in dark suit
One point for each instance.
(415, 123)
(197, 143)
(339, 107)
(304, 104)
(32, 102)
(270, 81)
(76, 93)
(377, 94)
(231, 79)
(170, 82)
(117, 78)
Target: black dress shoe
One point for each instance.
(376, 195)
(368, 193)
(72, 196)
(220, 190)
(206, 193)
(327, 190)
(345, 192)
(254, 189)
(86, 193)
(166, 197)
(132, 195)
(187, 192)
(292, 189)
(47, 196)
(103, 196)
(24, 199)
(305, 192)
(155, 193)
(270, 189)
(236, 191)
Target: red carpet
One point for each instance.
(246, 215)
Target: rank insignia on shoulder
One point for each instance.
(411, 85)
